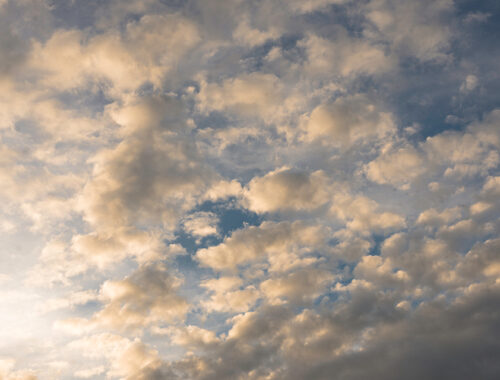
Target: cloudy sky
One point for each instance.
(249, 189)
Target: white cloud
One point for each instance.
(7, 371)
(398, 167)
(299, 287)
(417, 29)
(469, 84)
(146, 51)
(349, 120)
(254, 94)
(344, 56)
(287, 189)
(245, 34)
(201, 224)
(255, 243)
(348, 223)
(148, 296)
(362, 214)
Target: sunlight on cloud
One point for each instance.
(250, 190)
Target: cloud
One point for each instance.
(192, 337)
(287, 189)
(254, 94)
(201, 224)
(255, 243)
(476, 17)
(469, 84)
(344, 57)
(88, 373)
(229, 295)
(147, 296)
(145, 178)
(434, 218)
(245, 34)
(7, 371)
(313, 5)
(362, 214)
(150, 165)
(349, 120)
(416, 29)
(128, 359)
(70, 59)
(261, 190)
(299, 287)
(398, 167)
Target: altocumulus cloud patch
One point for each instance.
(252, 190)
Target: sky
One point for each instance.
(249, 189)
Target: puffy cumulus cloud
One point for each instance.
(362, 214)
(481, 262)
(380, 271)
(9, 171)
(260, 242)
(344, 56)
(418, 29)
(52, 137)
(491, 188)
(351, 245)
(191, 337)
(398, 167)
(249, 95)
(103, 249)
(349, 120)
(299, 287)
(229, 295)
(151, 177)
(127, 359)
(433, 218)
(487, 201)
(138, 115)
(246, 34)
(250, 347)
(33, 190)
(70, 301)
(276, 343)
(148, 49)
(431, 268)
(95, 345)
(60, 260)
(201, 224)
(222, 190)
(456, 155)
(115, 12)
(147, 296)
(7, 371)
(410, 338)
(56, 265)
(470, 154)
(262, 190)
(287, 189)
(138, 361)
(230, 136)
(447, 261)
(154, 169)
(469, 84)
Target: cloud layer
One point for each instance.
(258, 190)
